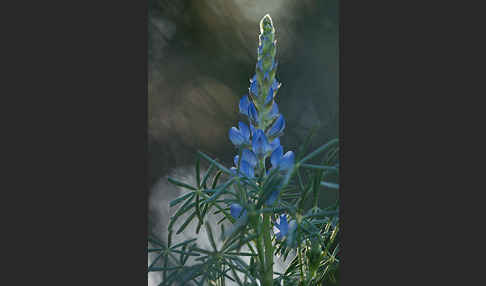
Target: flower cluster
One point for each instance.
(260, 140)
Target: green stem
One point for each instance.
(301, 266)
(260, 250)
(268, 276)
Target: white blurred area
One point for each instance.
(161, 194)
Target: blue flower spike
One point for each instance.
(260, 138)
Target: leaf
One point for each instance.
(221, 167)
(154, 269)
(219, 191)
(240, 243)
(184, 243)
(188, 220)
(181, 184)
(179, 199)
(318, 151)
(216, 177)
(211, 237)
(320, 167)
(206, 176)
(330, 185)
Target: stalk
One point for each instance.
(267, 226)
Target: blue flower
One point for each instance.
(269, 96)
(282, 226)
(236, 137)
(250, 157)
(283, 162)
(272, 91)
(247, 170)
(277, 127)
(245, 131)
(244, 104)
(247, 164)
(274, 111)
(275, 143)
(252, 113)
(236, 211)
(240, 136)
(260, 144)
(276, 156)
(254, 87)
(253, 129)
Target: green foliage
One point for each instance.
(314, 246)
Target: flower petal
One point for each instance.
(252, 113)
(275, 143)
(245, 131)
(252, 128)
(283, 226)
(274, 111)
(260, 143)
(277, 127)
(250, 157)
(236, 137)
(243, 106)
(276, 156)
(287, 161)
(254, 87)
(247, 170)
(235, 210)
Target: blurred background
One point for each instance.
(201, 54)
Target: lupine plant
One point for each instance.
(268, 198)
